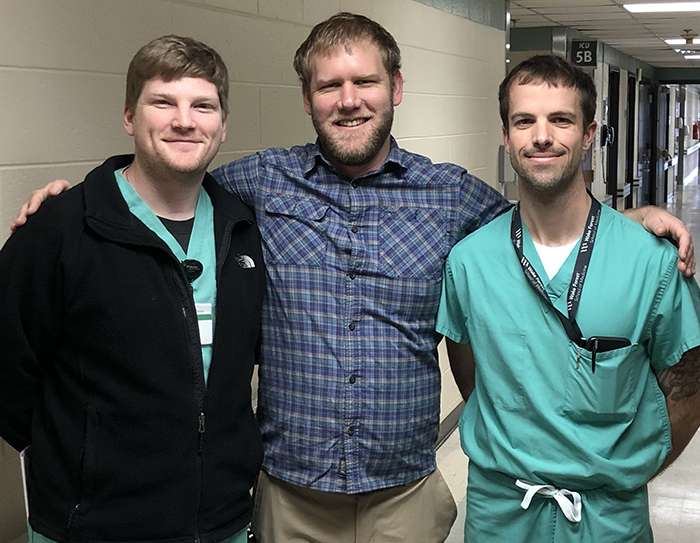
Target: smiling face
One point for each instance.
(351, 101)
(177, 126)
(546, 136)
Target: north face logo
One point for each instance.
(244, 261)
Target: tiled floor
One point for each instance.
(674, 496)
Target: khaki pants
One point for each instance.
(419, 512)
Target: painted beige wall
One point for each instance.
(62, 68)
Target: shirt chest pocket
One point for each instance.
(412, 242)
(610, 394)
(294, 230)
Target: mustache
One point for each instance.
(530, 153)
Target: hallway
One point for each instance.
(674, 496)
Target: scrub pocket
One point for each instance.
(613, 392)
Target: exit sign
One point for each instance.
(583, 53)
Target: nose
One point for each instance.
(183, 118)
(542, 135)
(349, 98)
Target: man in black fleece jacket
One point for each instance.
(130, 311)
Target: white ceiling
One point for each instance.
(640, 35)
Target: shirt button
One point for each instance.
(351, 431)
(352, 275)
(352, 326)
(354, 229)
(352, 379)
(354, 184)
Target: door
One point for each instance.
(659, 132)
(613, 129)
(644, 142)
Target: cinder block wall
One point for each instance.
(62, 69)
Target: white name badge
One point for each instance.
(206, 322)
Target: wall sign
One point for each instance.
(583, 53)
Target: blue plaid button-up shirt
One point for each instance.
(349, 395)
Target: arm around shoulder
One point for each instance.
(663, 224)
(38, 196)
(480, 204)
(241, 177)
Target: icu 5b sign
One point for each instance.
(583, 53)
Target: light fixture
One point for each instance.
(681, 41)
(688, 35)
(661, 7)
(692, 57)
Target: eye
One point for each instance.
(329, 86)
(206, 106)
(523, 122)
(563, 120)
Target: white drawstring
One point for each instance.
(570, 508)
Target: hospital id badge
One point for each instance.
(205, 320)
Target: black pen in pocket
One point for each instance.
(601, 344)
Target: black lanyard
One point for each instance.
(580, 268)
(594, 343)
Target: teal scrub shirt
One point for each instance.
(538, 412)
(202, 247)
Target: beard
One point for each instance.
(542, 179)
(341, 150)
(181, 168)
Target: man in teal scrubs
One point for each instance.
(130, 314)
(572, 335)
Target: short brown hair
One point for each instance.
(174, 57)
(553, 71)
(343, 29)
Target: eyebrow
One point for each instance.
(562, 112)
(373, 75)
(160, 94)
(170, 96)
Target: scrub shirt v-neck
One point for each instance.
(202, 248)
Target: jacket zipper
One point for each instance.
(199, 370)
(199, 387)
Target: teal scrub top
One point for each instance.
(538, 412)
(202, 247)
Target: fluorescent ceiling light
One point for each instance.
(692, 57)
(663, 7)
(680, 41)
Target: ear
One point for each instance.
(398, 88)
(589, 135)
(306, 98)
(506, 140)
(128, 121)
(223, 130)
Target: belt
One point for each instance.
(570, 507)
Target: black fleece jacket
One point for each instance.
(101, 371)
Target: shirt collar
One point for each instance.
(396, 159)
